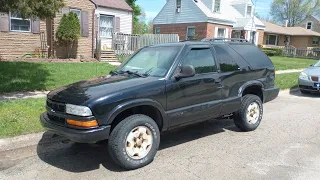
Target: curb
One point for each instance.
(27, 140)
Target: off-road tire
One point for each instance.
(117, 141)
(240, 118)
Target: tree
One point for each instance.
(136, 13)
(32, 8)
(294, 11)
(68, 32)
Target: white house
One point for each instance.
(112, 16)
(210, 19)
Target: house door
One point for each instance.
(106, 31)
(287, 41)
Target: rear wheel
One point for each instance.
(134, 142)
(249, 116)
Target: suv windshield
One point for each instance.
(152, 61)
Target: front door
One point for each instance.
(195, 98)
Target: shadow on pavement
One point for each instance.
(296, 92)
(75, 157)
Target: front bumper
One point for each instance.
(270, 94)
(307, 85)
(76, 135)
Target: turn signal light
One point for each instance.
(92, 123)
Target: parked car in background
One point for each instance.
(309, 79)
(163, 87)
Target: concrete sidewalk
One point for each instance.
(289, 71)
(23, 95)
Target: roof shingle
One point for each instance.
(115, 4)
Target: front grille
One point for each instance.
(57, 120)
(55, 106)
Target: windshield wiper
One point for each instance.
(114, 72)
(134, 73)
(147, 73)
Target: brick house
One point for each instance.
(299, 37)
(98, 18)
(210, 19)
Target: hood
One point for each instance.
(313, 71)
(80, 92)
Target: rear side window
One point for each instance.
(253, 55)
(227, 63)
(201, 59)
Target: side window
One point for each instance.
(227, 63)
(201, 59)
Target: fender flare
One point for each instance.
(250, 83)
(137, 102)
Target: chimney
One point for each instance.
(285, 23)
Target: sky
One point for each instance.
(153, 7)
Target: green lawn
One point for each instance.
(24, 76)
(21, 117)
(287, 81)
(283, 63)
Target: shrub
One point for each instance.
(269, 52)
(277, 51)
(260, 46)
(68, 31)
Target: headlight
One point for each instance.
(78, 110)
(304, 76)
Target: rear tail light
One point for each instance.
(315, 78)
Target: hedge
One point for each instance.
(273, 51)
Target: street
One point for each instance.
(285, 146)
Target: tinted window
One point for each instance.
(227, 63)
(253, 55)
(201, 59)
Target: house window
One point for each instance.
(157, 30)
(106, 26)
(18, 24)
(178, 3)
(191, 32)
(77, 12)
(217, 5)
(315, 41)
(221, 33)
(309, 25)
(272, 40)
(249, 11)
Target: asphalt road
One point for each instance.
(285, 146)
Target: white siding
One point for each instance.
(209, 4)
(190, 13)
(125, 23)
(241, 8)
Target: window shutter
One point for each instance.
(117, 25)
(84, 24)
(65, 10)
(4, 22)
(35, 26)
(216, 32)
(227, 33)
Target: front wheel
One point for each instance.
(134, 142)
(249, 116)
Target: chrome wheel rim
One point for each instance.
(253, 113)
(139, 142)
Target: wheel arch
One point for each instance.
(153, 106)
(252, 87)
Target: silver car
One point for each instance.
(309, 79)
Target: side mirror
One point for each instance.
(185, 72)
(311, 65)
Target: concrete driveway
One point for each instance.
(285, 146)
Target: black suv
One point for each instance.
(162, 87)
